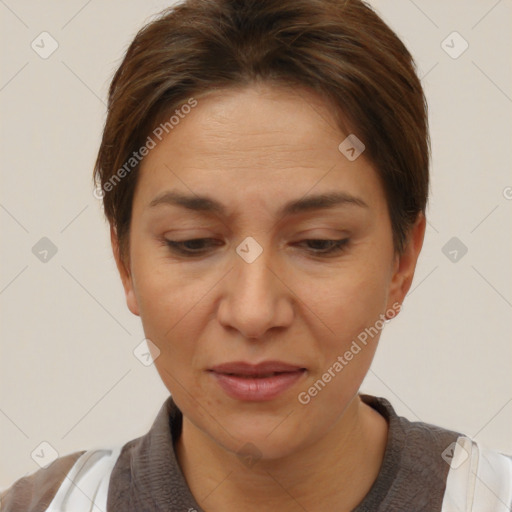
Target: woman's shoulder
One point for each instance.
(51, 486)
(427, 463)
(35, 491)
(77, 481)
(479, 476)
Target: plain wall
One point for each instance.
(68, 374)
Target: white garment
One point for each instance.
(85, 487)
(479, 479)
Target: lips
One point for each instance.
(261, 370)
(260, 382)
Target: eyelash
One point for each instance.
(336, 246)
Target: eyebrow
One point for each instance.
(207, 204)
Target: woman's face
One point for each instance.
(258, 288)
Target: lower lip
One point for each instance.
(257, 389)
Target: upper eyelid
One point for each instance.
(302, 239)
(177, 244)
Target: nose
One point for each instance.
(255, 297)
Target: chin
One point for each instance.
(269, 437)
(259, 446)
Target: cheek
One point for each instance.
(164, 292)
(170, 319)
(168, 304)
(350, 307)
(354, 298)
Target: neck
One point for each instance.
(334, 473)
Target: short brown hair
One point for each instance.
(340, 49)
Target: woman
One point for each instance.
(265, 169)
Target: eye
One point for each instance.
(326, 247)
(199, 246)
(195, 246)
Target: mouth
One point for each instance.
(256, 376)
(261, 382)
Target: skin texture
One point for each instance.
(253, 149)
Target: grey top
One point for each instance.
(147, 477)
(412, 477)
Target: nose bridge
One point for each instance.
(255, 300)
(252, 273)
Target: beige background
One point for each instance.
(68, 374)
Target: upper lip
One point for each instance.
(243, 368)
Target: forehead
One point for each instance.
(255, 127)
(259, 144)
